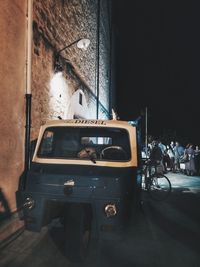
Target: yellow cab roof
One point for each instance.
(88, 122)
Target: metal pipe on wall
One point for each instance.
(29, 46)
(28, 85)
(97, 57)
(110, 61)
(146, 131)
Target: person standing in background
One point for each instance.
(156, 156)
(197, 159)
(178, 153)
(190, 164)
(170, 152)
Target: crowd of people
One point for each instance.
(174, 157)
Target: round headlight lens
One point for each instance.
(110, 210)
(29, 203)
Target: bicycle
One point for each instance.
(157, 185)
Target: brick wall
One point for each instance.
(56, 25)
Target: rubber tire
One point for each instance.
(77, 225)
(159, 193)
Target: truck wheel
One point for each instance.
(77, 232)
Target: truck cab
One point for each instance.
(86, 172)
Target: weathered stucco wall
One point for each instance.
(12, 90)
(12, 115)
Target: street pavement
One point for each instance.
(164, 234)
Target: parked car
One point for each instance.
(86, 172)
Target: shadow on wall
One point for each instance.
(5, 211)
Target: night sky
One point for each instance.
(158, 62)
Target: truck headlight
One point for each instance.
(29, 203)
(110, 210)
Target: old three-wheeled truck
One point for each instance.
(87, 173)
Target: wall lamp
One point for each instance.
(82, 44)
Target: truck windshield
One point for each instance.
(94, 143)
